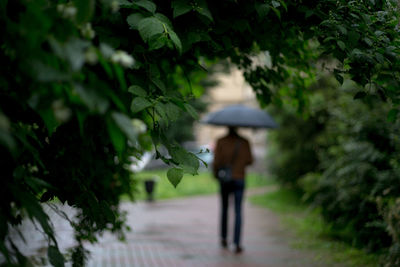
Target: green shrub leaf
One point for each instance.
(341, 44)
(157, 41)
(175, 176)
(139, 103)
(173, 111)
(160, 85)
(203, 9)
(175, 39)
(117, 137)
(125, 125)
(55, 257)
(148, 5)
(134, 20)
(181, 7)
(137, 90)
(189, 108)
(149, 27)
(186, 160)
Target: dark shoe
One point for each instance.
(224, 244)
(238, 250)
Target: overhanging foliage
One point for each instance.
(75, 73)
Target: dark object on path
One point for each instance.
(240, 116)
(149, 187)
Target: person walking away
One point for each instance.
(233, 151)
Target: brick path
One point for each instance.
(184, 232)
(179, 233)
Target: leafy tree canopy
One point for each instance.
(87, 84)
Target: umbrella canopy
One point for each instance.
(240, 116)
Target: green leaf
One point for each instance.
(49, 120)
(283, 4)
(119, 71)
(329, 39)
(177, 42)
(181, 7)
(125, 125)
(339, 78)
(164, 20)
(392, 115)
(203, 9)
(55, 257)
(341, 44)
(191, 164)
(277, 12)
(173, 111)
(36, 184)
(134, 20)
(85, 10)
(157, 41)
(160, 85)
(189, 108)
(116, 136)
(360, 95)
(186, 160)
(175, 176)
(125, 3)
(275, 4)
(368, 41)
(107, 67)
(160, 109)
(139, 103)
(149, 27)
(137, 90)
(146, 4)
(34, 209)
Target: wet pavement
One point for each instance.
(183, 232)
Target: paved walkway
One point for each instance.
(180, 233)
(184, 232)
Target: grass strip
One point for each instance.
(202, 184)
(311, 232)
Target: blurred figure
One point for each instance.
(231, 156)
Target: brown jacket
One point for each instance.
(224, 151)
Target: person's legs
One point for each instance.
(224, 193)
(238, 192)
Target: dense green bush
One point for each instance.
(354, 177)
(294, 143)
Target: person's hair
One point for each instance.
(232, 130)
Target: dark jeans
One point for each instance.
(235, 187)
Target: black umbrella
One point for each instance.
(240, 116)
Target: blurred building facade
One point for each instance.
(232, 89)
